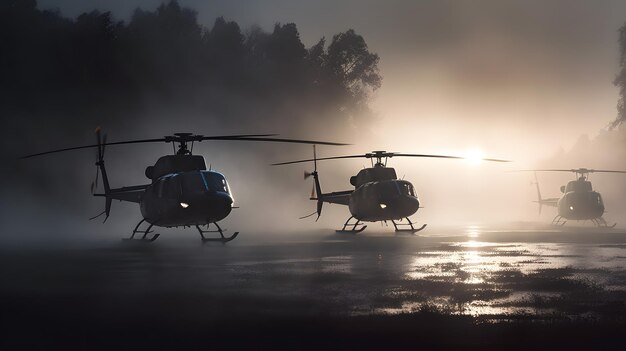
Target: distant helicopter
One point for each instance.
(378, 194)
(579, 201)
(182, 192)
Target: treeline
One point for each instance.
(57, 71)
(620, 80)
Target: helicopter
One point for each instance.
(378, 194)
(579, 201)
(182, 192)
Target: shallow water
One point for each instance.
(480, 271)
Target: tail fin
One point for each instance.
(318, 188)
(105, 179)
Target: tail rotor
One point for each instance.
(539, 199)
(316, 191)
(94, 184)
(101, 144)
(99, 156)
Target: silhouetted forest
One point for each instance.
(620, 80)
(61, 75)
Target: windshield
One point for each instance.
(406, 188)
(578, 186)
(168, 187)
(215, 181)
(388, 188)
(598, 199)
(192, 182)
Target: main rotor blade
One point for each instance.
(387, 154)
(429, 156)
(543, 170)
(96, 145)
(190, 138)
(447, 156)
(279, 140)
(605, 171)
(319, 159)
(570, 170)
(227, 137)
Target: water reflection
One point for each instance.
(503, 278)
(475, 270)
(481, 272)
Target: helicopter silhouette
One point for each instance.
(378, 194)
(579, 201)
(182, 192)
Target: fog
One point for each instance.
(517, 65)
(539, 83)
(525, 81)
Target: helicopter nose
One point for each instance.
(402, 206)
(211, 205)
(405, 206)
(412, 203)
(220, 204)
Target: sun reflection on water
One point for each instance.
(492, 274)
(473, 269)
(473, 231)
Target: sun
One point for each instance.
(474, 156)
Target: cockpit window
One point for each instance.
(406, 188)
(215, 182)
(173, 186)
(192, 182)
(168, 187)
(411, 190)
(599, 198)
(389, 188)
(578, 186)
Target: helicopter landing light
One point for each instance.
(184, 205)
(383, 205)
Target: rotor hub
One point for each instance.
(380, 157)
(182, 139)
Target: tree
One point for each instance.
(284, 44)
(225, 40)
(620, 80)
(352, 65)
(64, 75)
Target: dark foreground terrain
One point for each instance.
(473, 286)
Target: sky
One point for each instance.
(521, 80)
(539, 73)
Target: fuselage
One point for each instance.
(580, 202)
(383, 200)
(187, 198)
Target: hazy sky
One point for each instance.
(517, 79)
(497, 75)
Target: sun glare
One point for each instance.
(474, 156)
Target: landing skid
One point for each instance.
(355, 227)
(598, 222)
(144, 237)
(601, 223)
(222, 238)
(413, 230)
(558, 220)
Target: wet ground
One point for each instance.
(473, 280)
